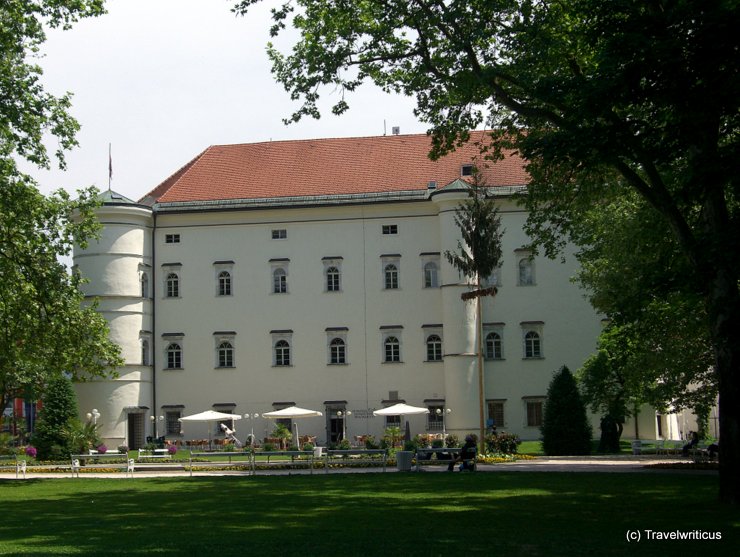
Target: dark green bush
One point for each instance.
(565, 428)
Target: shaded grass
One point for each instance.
(515, 513)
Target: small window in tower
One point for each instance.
(279, 234)
(389, 229)
(466, 170)
(171, 238)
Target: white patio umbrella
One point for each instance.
(292, 412)
(402, 409)
(210, 416)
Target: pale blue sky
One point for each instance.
(163, 79)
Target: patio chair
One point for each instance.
(130, 467)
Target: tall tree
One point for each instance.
(478, 256)
(44, 330)
(599, 97)
(656, 349)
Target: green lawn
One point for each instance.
(502, 514)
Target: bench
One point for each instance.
(81, 460)
(303, 458)
(243, 457)
(19, 464)
(355, 456)
(156, 453)
(424, 455)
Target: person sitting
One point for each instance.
(693, 442)
(466, 458)
(713, 451)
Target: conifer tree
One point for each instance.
(565, 427)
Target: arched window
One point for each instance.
(392, 350)
(144, 285)
(431, 275)
(279, 281)
(145, 352)
(493, 346)
(332, 279)
(337, 351)
(225, 354)
(434, 348)
(391, 277)
(532, 345)
(526, 272)
(282, 353)
(224, 283)
(174, 356)
(173, 285)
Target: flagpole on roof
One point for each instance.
(110, 166)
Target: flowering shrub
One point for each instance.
(31, 451)
(102, 449)
(122, 448)
(172, 449)
(503, 443)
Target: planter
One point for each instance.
(403, 460)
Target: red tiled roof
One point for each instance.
(325, 167)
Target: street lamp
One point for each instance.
(342, 416)
(93, 415)
(251, 418)
(154, 425)
(443, 414)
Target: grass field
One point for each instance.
(503, 514)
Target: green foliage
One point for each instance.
(283, 433)
(602, 99)
(57, 432)
(452, 441)
(656, 348)
(391, 438)
(479, 253)
(371, 443)
(502, 443)
(44, 331)
(565, 427)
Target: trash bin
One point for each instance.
(317, 452)
(403, 460)
(636, 446)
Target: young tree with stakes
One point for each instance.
(479, 254)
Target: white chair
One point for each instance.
(76, 467)
(130, 467)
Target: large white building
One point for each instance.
(312, 273)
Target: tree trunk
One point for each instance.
(724, 314)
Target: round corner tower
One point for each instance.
(118, 268)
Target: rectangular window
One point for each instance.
(466, 170)
(171, 238)
(389, 229)
(279, 234)
(496, 413)
(435, 418)
(534, 413)
(172, 422)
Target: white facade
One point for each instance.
(250, 307)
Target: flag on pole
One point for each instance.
(110, 166)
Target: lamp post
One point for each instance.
(251, 418)
(93, 415)
(154, 425)
(443, 414)
(343, 416)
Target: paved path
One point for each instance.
(627, 463)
